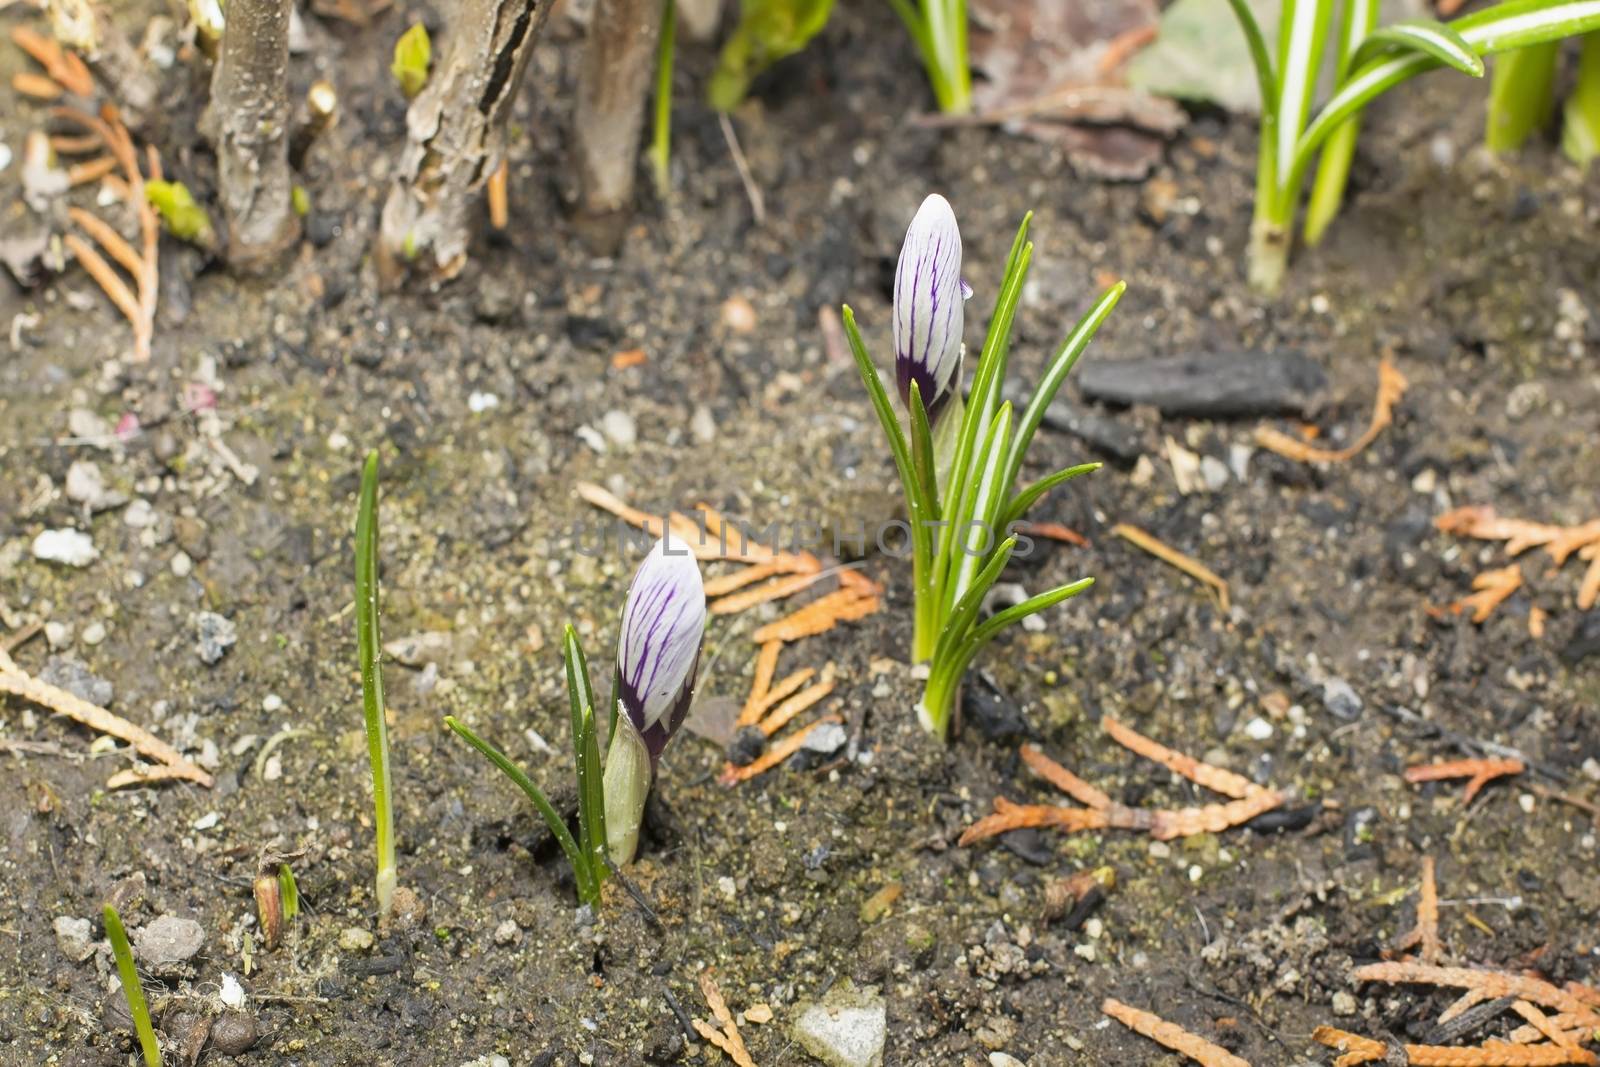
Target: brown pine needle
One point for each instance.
(1391, 387)
(1426, 932)
(105, 276)
(499, 209)
(755, 709)
(1171, 1035)
(819, 616)
(766, 667)
(90, 171)
(1537, 617)
(1542, 1023)
(1167, 554)
(1008, 816)
(727, 1038)
(1491, 1053)
(70, 145)
(785, 712)
(1479, 771)
(63, 67)
(1589, 591)
(1213, 778)
(1493, 588)
(1563, 1021)
(34, 85)
(1052, 531)
(728, 583)
(775, 755)
(1064, 780)
(777, 589)
(1481, 522)
(1492, 985)
(18, 682)
(108, 239)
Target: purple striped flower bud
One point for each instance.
(928, 307)
(659, 650)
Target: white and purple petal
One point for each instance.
(658, 652)
(929, 294)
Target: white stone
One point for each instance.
(72, 937)
(355, 939)
(94, 633)
(232, 994)
(72, 548)
(619, 428)
(1258, 729)
(845, 1029)
(478, 403)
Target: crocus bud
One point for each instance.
(928, 307)
(657, 655)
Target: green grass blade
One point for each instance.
(1301, 38)
(922, 458)
(131, 988)
(976, 519)
(1260, 58)
(1521, 96)
(1055, 374)
(591, 787)
(966, 609)
(1333, 174)
(552, 819)
(661, 137)
(997, 622)
(369, 649)
(1429, 36)
(1030, 496)
(585, 746)
(1580, 122)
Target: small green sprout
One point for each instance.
(1580, 119)
(183, 218)
(208, 22)
(661, 142)
(369, 650)
(131, 988)
(959, 468)
(413, 52)
(300, 200)
(939, 30)
(768, 31)
(288, 892)
(1521, 96)
(1372, 61)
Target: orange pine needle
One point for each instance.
(755, 709)
(1213, 778)
(1480, 772)
(819, 616)
(1008, 816)
(766, 666)
(1123, 46)
(1491, 1053)
(727, 1038)
(1171, 1035)
(775, 755)
(1167, 554)
(629, 357)
(1542, 1023)
(1063, 779)
(104, 276)
(1491, 985)
(90, 170)
(776, 589)
(71, 145)
(65, 68)
(1391, 387)
(786, 711)
(499, 209)
(736, 580)
(1536, 620)
(34, 85)
(1426, 932)
(1052, 531)
(1589, 591)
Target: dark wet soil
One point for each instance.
(1326, 679)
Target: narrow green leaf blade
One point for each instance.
(1030, 496)
(369, 650)
(922, 457)
(552, 819)
(959, 623)
(1301, 37)
(976, 520)
(1260, 58)
(1428, 36)
(1032, 606)
(129, 976)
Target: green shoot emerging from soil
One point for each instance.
(939, 30)
(369, 649)
(960, 466)
(131, 988)
(1371, 61)
(661, 139)
(1521, 96)
(413, 53)
(768, 31)
(658, 652)
(289, 892)
(1580, 122)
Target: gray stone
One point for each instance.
(1340, 699)
(846, 1028)
(168, 940)
(216, 635)
(69, 673)
(73, 938)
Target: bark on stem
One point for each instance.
(250, 117)
(616, 78)
(455, 138)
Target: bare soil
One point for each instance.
(1478, 275)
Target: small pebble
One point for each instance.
(234, 1033)
(182, 565)
(73, 938)
(619, 429)
(1258, 729)
(355, 939)
(70, 548)
(94, 633)
(216, 635)
(168, 939)
(703, 425)
(507, 933)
